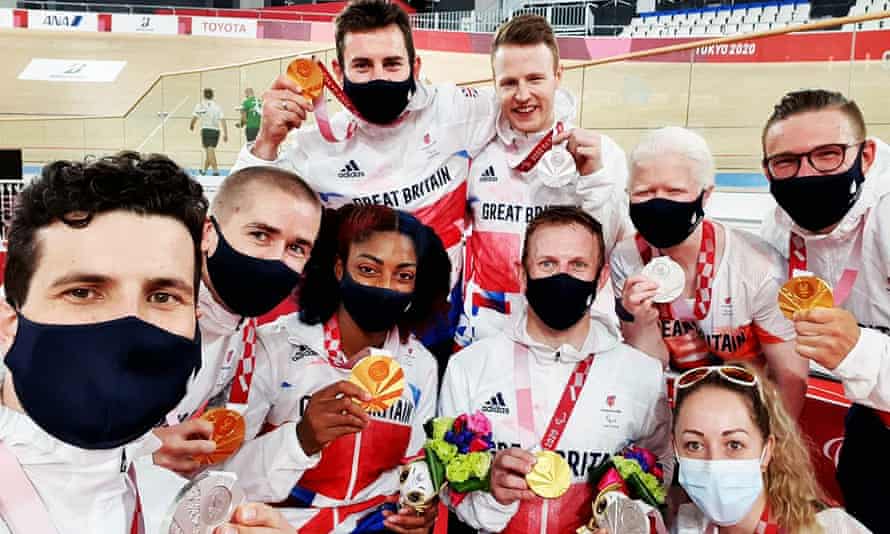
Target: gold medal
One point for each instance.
(306, 73)
(804, 293)
(382, 377)
(550, 477)
(228, 434)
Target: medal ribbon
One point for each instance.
(797, 263)
(338, 359)
(525, 406)
(545, 144)
(704, 275)
(20, 505)
(321, 111)
(240, 390)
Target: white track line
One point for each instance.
(163, 122)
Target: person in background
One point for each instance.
(212, 121)
(250, 110)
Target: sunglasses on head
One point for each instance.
(731, 373)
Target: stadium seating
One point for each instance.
(742, 18)
(728, 20)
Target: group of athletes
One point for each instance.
(439, 224)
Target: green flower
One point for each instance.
(444, 451)
(626, 468)
(651, 483)
(458, 469)
(442, 425)
(480, 463)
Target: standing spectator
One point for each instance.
(212, 121)
(250, 115)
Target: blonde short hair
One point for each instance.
(678, 141)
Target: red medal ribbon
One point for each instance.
(246, 364)
(545, 144)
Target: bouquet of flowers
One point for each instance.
(458, 451)
(629, 490)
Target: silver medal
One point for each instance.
(556, 167)
(669, 276)
(618, 514)
(206, 502)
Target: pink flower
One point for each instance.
(478, 423)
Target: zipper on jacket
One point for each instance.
(556, 356)
(356, 454)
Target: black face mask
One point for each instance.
(560, 300)
(817, 202)
(248, 286)
(380, 101)
(100, 385)
(666, 223)
(374, 309)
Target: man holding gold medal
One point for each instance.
(562, 391)
(260, 234)
(100, 338)
(832, 186)
(398, 142)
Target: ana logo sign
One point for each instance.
(224, 27)
(63, 21)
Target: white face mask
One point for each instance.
(724, 490)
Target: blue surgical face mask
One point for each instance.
(248, 286)
(724, 490)
(100, 385)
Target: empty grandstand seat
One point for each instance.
(784, 16)
(714, 29)
(870, 25)
(699, 30)
(751, 18)
(761, 26)
(737, 16)
(755, 10)
(731, 29)
(769, 13)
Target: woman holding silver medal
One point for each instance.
(690, 291)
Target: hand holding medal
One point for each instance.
(550, 476)
(228, 434)
(206, 502)
(381, 377)
(804, 293)
(669, 276)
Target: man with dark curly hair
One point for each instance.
(101, 339)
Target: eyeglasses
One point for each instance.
(731, 373)
(824, 158)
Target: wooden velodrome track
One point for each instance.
(728, 103)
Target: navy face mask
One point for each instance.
(560, 300)
(100, 385)
(248, 286)
(374, 309)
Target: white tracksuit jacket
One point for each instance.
(82, 490)
(503, 201)
(866, 369)
(354, 472)
(419, 165)
(623, 400)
